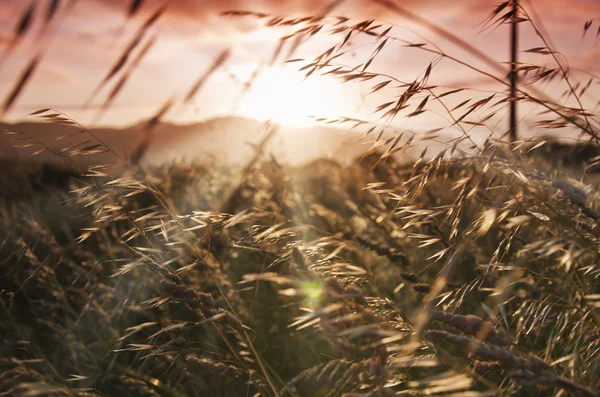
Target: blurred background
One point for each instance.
(238, 67)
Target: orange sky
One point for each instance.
(81, 45)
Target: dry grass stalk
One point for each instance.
(528, 370)
(525, 254)
(474, 326)
(19, 85)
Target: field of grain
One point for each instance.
(442, 263)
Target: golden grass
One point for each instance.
(465, 273)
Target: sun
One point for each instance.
(283, 95)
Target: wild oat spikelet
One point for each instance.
(574, 194)
(474, 326)
(593, 168)
(216, 367)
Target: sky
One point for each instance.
(86, 37)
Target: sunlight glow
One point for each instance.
(282, 95)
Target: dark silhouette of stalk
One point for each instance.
(514, 37)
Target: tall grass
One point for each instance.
(473, 271)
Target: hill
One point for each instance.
(227, 138)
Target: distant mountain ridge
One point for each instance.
(228, 139)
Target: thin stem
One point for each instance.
(514, 37)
